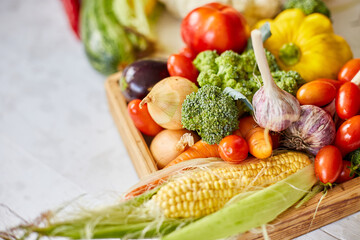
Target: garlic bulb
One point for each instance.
(274, 108)
(165, 99)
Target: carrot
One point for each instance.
(146, 187)
(200, 149)
(258, 138)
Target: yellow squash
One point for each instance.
(306, 44)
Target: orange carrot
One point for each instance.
(146, 187)
(258, 138)
(200, 149)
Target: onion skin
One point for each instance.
(314, 130)
(165, 99)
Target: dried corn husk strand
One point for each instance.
(274, 108)
(165, 99)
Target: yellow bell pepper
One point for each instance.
(306, 44)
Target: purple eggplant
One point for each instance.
(139, 77)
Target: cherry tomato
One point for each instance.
(179, 65)
(345, 172)
(348, 100)
(328, 164)
(318, 93)
(187, 52)
(349, 70)
(215, 26)
(348, 135)
(337, 84)
(233, 149)
(142, 119)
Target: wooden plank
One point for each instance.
(341, 201)
(133, 140)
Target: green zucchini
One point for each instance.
(109, 45)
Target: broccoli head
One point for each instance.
(211, 113)
(309, 6)
(206, 61)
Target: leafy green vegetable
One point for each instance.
(309, 6)
(211, 113)
(240, 72)
(354, 157)
(109, 43)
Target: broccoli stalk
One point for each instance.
(210, 112)
(309, 6)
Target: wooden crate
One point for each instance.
(341, 201)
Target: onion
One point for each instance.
(168, 144)
(314, 130)
(165, 99)
(274, 108)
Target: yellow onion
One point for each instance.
(165, 99)
(168, 144)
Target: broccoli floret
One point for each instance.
(206, 61)
(229, 63)
(209, 77)
(289, 81)
(211, 113)
(309, 6)
(249, 62)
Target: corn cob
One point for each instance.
(202, 192)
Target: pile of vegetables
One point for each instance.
(240, 135)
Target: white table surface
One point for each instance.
(57, 137)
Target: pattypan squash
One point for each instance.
(306, 44)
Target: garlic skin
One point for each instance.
(274, 108)
(165, 99)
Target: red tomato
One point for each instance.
(233, 149)
(328, 164)
(215, 26)
(179, 65)
(142, 119)
(348, 135)
(336, 83)
(349, 70)
(345, 172)
(348, 100)
(187, 52)
(318, 93)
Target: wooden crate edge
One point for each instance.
(133, 140)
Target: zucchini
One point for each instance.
(109, 45)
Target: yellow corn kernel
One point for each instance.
(202, 192)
